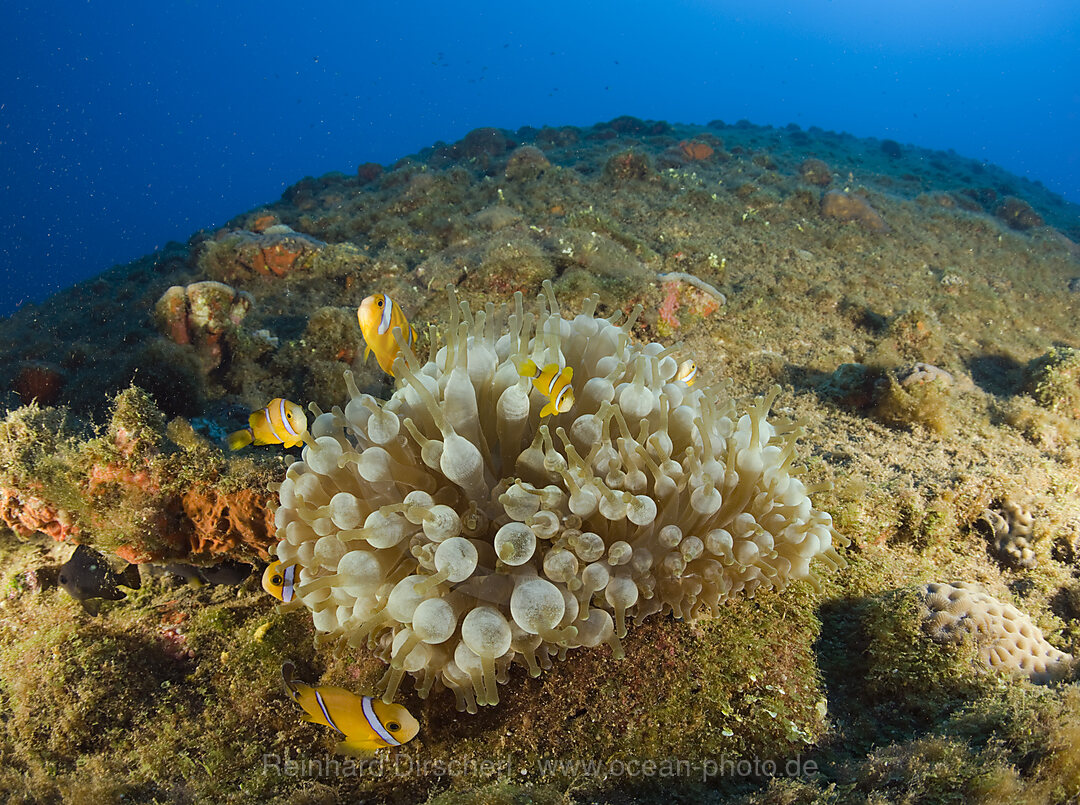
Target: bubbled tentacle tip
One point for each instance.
(455, 530)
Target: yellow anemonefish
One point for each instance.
(378, 316)
(365, 723)
(280, 581)
(553, 383)
(280, 422)
(687, 372)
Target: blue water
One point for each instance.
(126, 125)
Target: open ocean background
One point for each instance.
(124, 126)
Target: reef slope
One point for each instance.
(917, 308)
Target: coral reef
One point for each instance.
(173, 695)
(1006, 638)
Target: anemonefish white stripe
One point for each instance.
(289, 589)
(285, 420)
(375, 724)
(559, 399)
(554, 379)
(387, 314)
(325, 712)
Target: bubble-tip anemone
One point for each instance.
(455, 531)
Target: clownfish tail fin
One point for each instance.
(240, 438)
(287, 671)
(528, 368)
(354, 749)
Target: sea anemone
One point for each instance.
(455, 530)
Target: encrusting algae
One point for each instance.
(456, 529)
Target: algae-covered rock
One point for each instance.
(848, 207)
(927, 403)
(333, 333)
(1017, 213)
(816, 172)
(129, 490)
(1053, 380)
(526, 162)
(204, 315)
(278, 251)
(628, 166)
(909, 670)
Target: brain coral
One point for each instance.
(1012, 534)
(455, 531)
(1006, 638)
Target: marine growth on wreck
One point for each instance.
(456, 530)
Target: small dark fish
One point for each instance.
(87, 575)
(227, 571)
(188, 573)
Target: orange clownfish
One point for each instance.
(687, 372)
(378, 316)
(365, 724)
(553, 383)
(280, 581)
(280, 422)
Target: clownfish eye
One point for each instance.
(276, 580)
(393, 726)
(379, 303)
